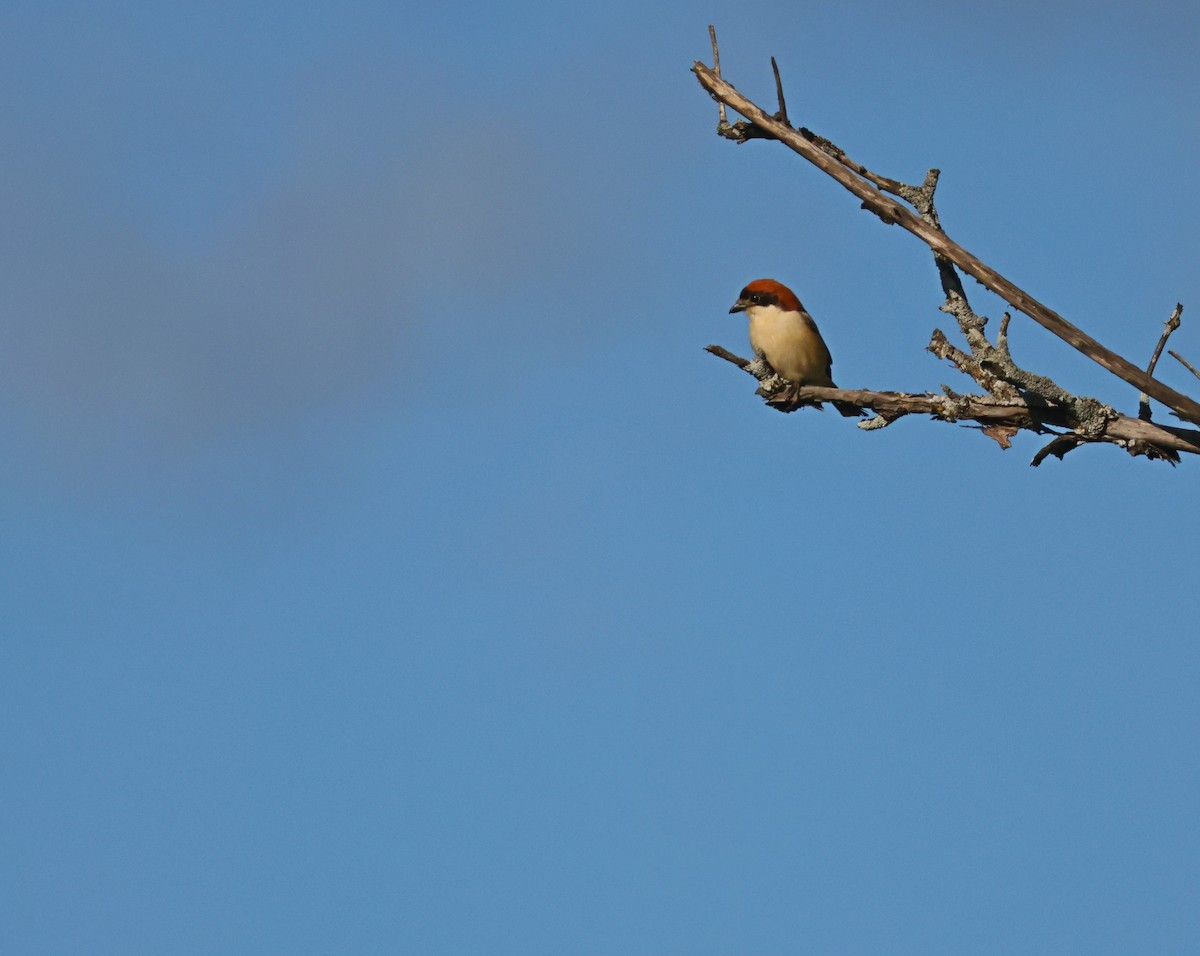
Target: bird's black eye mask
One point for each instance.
(759, 298)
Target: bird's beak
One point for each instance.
(738, 306)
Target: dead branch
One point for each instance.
(876, 191)
(1169, 326)
(997, 418)
(1184, 362)
(781, 115)
(722, 119)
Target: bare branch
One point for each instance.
(1168, 327)
(998, 418)
(1058, 447)
(871, 192)
(1182, 361)
(782, 114)
(728, 356)
(722, 119)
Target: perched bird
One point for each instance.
(784, 335)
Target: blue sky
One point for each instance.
(388, 569)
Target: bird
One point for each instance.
(785, 336)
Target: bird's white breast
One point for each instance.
(790, 343)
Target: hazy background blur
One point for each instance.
(387, 568)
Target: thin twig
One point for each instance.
(1182, 361)
(782, 114)
(1168, 327)
(722, 119)
(1058, 447)
(728, 356)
